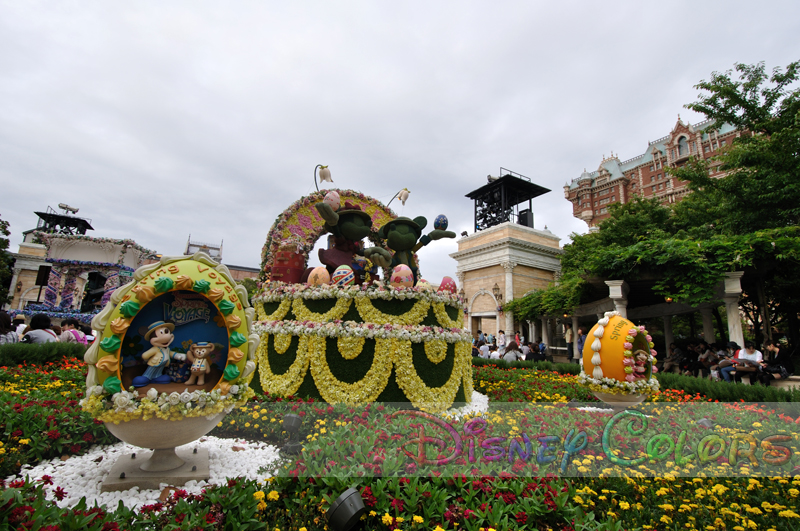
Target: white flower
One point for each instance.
(195, 396)
(165, 408)
(97, 390)
(234, 389)
(152, 394)
(174, 398)
(185, 397)
(121, 400)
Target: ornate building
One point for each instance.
(644, 175)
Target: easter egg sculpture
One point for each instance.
(377, 339)
(619, 361)
(180, 316)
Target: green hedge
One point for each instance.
(561, 368)
(725, 391)
(19, 353)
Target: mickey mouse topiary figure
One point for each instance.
(348, 227)
(404, 237)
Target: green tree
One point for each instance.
(6, 263)
(745, 221)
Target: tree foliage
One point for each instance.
(744, 221)
(6, 262)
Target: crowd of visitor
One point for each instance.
(731, 362)
(504, 347)
(42, 330)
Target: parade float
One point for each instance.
(342, 332)
(174, 353)
(619, 361)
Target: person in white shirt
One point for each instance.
(512, 352)
(484, 348)
(501, 342)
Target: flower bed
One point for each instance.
(402, 501)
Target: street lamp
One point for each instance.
(497, 294)
(324, 175)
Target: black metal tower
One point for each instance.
(55, 223)
(498, 201)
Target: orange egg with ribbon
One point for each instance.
(616, 348)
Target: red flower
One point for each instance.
(179, 518)
(88, 437)
(47, 480)
(521, 517)
(19, 514)
(59, 493)
(53, 434)
(210, 518)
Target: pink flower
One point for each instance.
(630, 378)
(653, 352)
(633, 332)
(642, 328)
(627, 361)
(654, 369)
(627, 346)
(649, 338)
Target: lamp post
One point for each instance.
(402, 195)
(498, 296)
(324, 175)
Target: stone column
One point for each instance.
(708, 325)
(12, 288)
(618, 292)
(545, 332)
(668, 340)
(733, 290)
(533, 331)
(509, 294)
(53, 287)
(68, 291)
(575, 338)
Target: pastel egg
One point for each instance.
(424, 285)
(333, 200)
(319, 276)
(613, 360)
(440, 222)
(343, 276)
(448, 284)
(402, 277)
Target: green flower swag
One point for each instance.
(124, 406)
(416, 334)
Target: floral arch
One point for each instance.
(302, 225)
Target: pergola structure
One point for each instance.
(498, 201)
(636, 301)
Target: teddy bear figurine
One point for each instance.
(199, 354)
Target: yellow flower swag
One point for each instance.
(304, 314)
(436, 350)
(282, 342)
(277, 315)
(311, 353)
(444, 319)
(289, 382)
(370, 314)
(350, 346)
(365, 390)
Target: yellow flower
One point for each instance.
(261, 506)
(273, 495)
(666, 519)
(417, 519)
(624, 505)
(302, 529)
(788, 513)
(387, 519)
(792, 492)
(28, 441)
(258, 495)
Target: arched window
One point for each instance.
(683, 146)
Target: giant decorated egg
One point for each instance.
(448, 284)
(332, 199)
(440, 222)
(424, 285)
(343, 276)
(402, 277)
(319, 276)
(619, 350)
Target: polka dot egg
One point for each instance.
(402, 277)
(424, 285)
(343, 276)
(448, 284)
(319, 277)
(440, 223)
(333, 200)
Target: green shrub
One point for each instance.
(38, 354)
(725, 391)
(561, 368)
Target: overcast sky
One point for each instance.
(161, 119)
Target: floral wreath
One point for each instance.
(108, 401)
(300, 225)
(638, 352)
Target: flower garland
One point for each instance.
(289, 382)
(350, 346)
(444, 319)
(277, 315)
(436, 350)
(365, 390)
(636, 380)
(125, 406)
(413, 333)
(34, 309)
(87, 264)
(125, 244)
(432, 398)
(279, 291)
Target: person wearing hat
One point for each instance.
(401, 235)
(19, 322)
(347, 227)
(158, 357)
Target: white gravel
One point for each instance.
(81, 476)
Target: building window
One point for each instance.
(653, 188)
(694, 147)
(706, 148)
(723, 142)
(683, 146)
(652, 168)
(714, 145)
